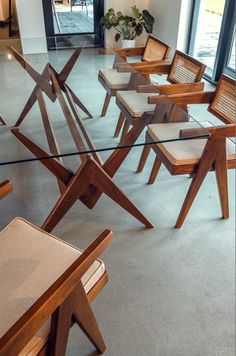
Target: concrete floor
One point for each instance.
(171, 292)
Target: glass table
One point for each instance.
(51, 103)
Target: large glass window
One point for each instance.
(212, 38)
(208, 32)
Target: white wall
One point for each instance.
(172, 19)
(31, 26)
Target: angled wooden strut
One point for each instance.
(90, 173)
(43, 82)
(5, 188)
(2, 121)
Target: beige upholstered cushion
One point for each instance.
(30, 262)
(115, 80)
(183, 152)
(136, 103)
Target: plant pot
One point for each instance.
(128, 43)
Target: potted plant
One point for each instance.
(128, 27)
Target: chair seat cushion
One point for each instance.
(115, 80)
(136, 103)
(183, 152)
(31, 260)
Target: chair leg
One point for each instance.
(119, 125)
(203, 168)
(125, 130)
(143, 158)
(60, 326)
(155, 170)
(85, 318)
(106, 104)
(222, 180)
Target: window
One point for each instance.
(212, 37)
(231, 59)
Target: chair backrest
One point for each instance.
(224, 103)
(155, 50)
(185, 69)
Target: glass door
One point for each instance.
(70, 19)
(73, 16)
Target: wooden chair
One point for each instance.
(46, 286)
(113, 81)
(198, 156)
(184, 74)
(5, 188)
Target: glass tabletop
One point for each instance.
(56, 101)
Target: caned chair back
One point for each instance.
(224, 103)
(185, 69)
(155, 50)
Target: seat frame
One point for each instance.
(65, 302)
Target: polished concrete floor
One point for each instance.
(170, 292)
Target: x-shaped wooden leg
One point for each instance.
(43, 82)
(90, 174)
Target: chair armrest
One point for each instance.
(130, 52)
(184, 99)
(148, 88)
(94, 250)
(5, 188)
(170, 89)
(105, 51)
(223, 131)
(146, 67)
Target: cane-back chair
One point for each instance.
(184, 75)
(198, 156)
(112, 80)
(46, 286)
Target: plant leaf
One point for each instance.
(136, 11)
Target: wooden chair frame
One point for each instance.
(65, 302)
(93, 177)
(213, 156)
(43, 82)
(162, 67)
(122, 54)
